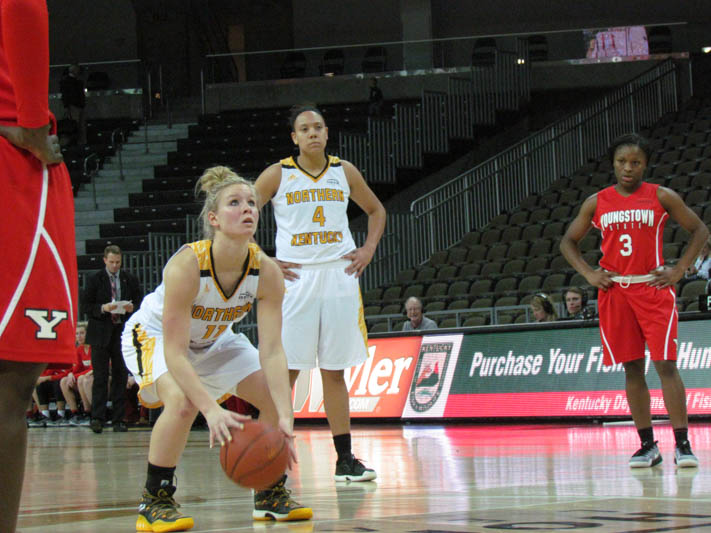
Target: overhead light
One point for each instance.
(706, 49)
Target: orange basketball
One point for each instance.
(257, 456)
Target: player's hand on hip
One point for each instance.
(359, 258)
(601, 278)
(37, 141)
(286, 269)
(286, 428)
(219, 421)
(665, 277)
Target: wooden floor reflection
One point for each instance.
(456, 478)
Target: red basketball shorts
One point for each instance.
(633, 315)
(38, 278)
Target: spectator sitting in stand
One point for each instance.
(417, 321)
(542, 308)
(701, 267)
(576, 300)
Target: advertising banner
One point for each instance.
(560, 373)
(377, 388)
(498, 374)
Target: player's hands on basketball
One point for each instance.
(220, 421)
(286, 269)
(665, 277)
(359, 258)
(601, 278)
(285, 426)
(37, 141)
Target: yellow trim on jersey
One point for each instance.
(204, 257)
(147, 349)
(361, 321)
(224, 397)
(290, 162)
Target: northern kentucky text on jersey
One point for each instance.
(217, 314)
(642, 216)
(316, 237)
(314, 195)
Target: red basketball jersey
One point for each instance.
(632, 228)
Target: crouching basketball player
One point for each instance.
(636, 297)
(184, 355)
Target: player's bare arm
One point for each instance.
(364, 198)
(578, 228)
(267, 185)
(687, 219)
(182, 282)
(270, 296)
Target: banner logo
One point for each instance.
(429, 375)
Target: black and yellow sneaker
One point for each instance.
(158, 513)
(276, 504)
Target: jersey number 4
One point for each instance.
(626, 241)
(319, 217)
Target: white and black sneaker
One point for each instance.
(648, 455)
(39, 421)
(684, 457)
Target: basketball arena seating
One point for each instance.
(246, 140)
(496, 271)
(250, 140)
(99, 133)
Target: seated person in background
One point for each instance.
(576, 300)
(47, 388)
(542, 309)
(84, 384)
(701, 267)
(417, 321)
(70, 382)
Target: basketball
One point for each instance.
(257, 456)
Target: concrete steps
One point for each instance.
(112, 191)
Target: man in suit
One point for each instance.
(103, 333)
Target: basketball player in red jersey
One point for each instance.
(38, 280)
(636, 297)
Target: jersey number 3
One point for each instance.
(626, 241)
(319, 217)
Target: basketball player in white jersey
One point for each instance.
(183, 353)
(323, 322)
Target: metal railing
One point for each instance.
(492, 315)
(118, 137)
(414, 129)
(469, 201)
(92, 163)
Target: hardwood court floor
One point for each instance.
(454, 478)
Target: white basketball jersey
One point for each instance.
(213, 311)
(310, 213)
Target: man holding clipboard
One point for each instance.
(110, 298)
